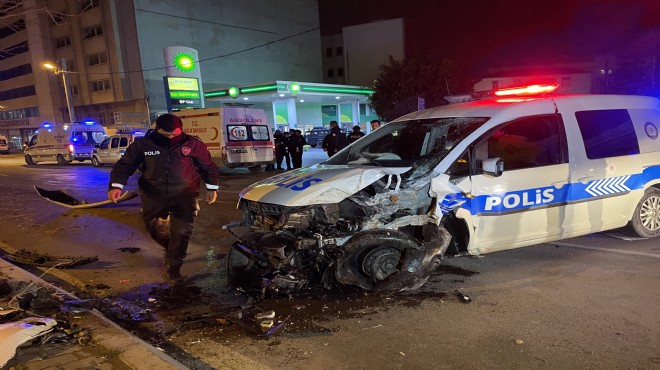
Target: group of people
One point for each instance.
(336, 140)
(289, 148)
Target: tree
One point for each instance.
(401, 83)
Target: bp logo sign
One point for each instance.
(184, 62)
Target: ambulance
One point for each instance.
(236, 137)
(4, 144)
(519, 168)
(64, 143)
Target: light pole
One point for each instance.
(69, 100)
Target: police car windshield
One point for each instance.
(409, 143)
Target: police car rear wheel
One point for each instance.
(29, 161)
(646, 219)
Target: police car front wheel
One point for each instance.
(646, 219)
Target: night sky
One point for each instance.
(491, 33)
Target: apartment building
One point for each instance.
(110, 52)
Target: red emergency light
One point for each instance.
(526, 90)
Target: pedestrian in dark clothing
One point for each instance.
(172, 164)
(296, 147)
(335, 140)
(281, 150)
(356, 134)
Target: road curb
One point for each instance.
(133, 351)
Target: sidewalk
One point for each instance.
(111, 347)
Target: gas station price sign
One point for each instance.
(182, 92)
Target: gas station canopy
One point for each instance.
(301, 91)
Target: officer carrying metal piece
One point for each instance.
(172, 164)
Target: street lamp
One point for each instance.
(63, 71)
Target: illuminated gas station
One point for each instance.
(302, 105)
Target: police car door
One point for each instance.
(525, 204)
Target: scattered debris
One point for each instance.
(520, 341)
(63, 199)
(26, 257)
(462, 297)
(129, 249)
(13, 334)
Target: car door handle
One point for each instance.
(585, 178)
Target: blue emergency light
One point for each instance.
(89, 122)
(46, 125)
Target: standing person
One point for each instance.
(281, 150)
(296, 147)
(287, 153)
(172, 165)
(335, 140)
(375, 124)
(355, 135)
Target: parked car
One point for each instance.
(314, 137)
(113, 148)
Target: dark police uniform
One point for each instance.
(169, 187)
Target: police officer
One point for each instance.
(172, 164)
(296, 146)
(335, 140)
(355, 134)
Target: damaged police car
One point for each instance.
(468, 179)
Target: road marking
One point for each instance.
(607, 250)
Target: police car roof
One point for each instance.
(492, 107)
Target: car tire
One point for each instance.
(368, 259)
(61, 161)
(645, 221)
(29, 161)
(96, 163)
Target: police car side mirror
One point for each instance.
(493, 166)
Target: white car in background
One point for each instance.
(113, 148)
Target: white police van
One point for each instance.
(64, 143)
(518, 169)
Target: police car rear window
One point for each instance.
(607, 133)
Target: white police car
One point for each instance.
(114, 147)
(514, 170)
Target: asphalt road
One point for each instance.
(584, 303)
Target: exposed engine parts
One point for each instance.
(385, 237)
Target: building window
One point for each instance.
(19, 113)
(12, 29)
(70, 65)
(340, 72)
(74, 90)
(17, 93)
(331, 72)
(21, 70)
(339, 51)
(98, 117)
(14, 50)
(566, 81)
(95, 59)
(91, 32)
(328, 52)
(100, 85)
(62, 42)
(86, 5)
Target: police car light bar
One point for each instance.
(527, 90)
